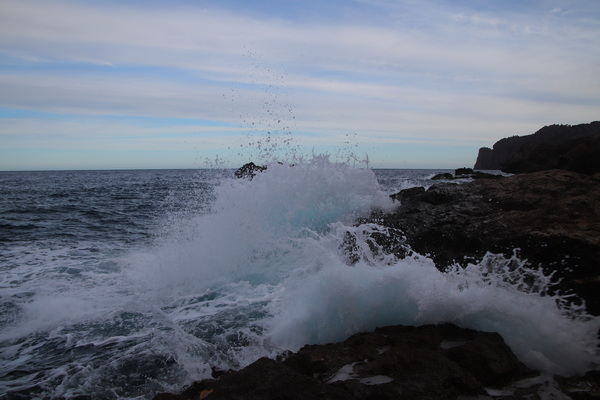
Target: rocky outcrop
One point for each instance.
(397, 362)
(426, 362)
(573, 148)
(551, 217)
(462, 173)
(579, 155)
(249, 171)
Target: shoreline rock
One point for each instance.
(425, 362)
(551, 218)
(462, 173)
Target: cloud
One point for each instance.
(391, 72)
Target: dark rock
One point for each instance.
(469, 173)
(461, 173)
(267, 379)
(427, 362)
(443, 176)
(553, 217)
(487, 159)
(408, 193)
(167, 396)
(381, 243)
(488, 359)
(439, 194)
(585, 387)
(579, 155)
(556, 146)
(248, 171)
(485, 175)
(464, 171)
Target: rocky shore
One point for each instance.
(398, 362)
(549, 218)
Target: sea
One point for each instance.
(122, 284)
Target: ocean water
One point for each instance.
(121, 284)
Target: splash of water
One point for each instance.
(285, 235)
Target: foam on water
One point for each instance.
(283, 234)
(265, 269)
(256, 229)
(337, 301)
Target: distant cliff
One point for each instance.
(570, 147)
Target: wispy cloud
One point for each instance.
(389, 72)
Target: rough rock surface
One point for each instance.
(555, 146)
(248, 171)
(551, 217)
(462, 173)
(427, 362)
(396, 362)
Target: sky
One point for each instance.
(195, 84)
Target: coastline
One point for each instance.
(548, 218)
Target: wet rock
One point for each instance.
(427, 362)
(248, 171)
(552, 217)
(463, 173)
(262, 380)
(446, 176)
(431, 361)
(408, 193)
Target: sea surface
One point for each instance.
(122, 284)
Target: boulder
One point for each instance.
(447, 176)
(248, 171)
(408, 193)
(426, 362)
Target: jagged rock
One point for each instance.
(469, 173)
(462, 173)
(553, 217)
(426, 362)
(443, 176)
(573, 148)
(262, 380)
(248, 171)
(408, 193)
